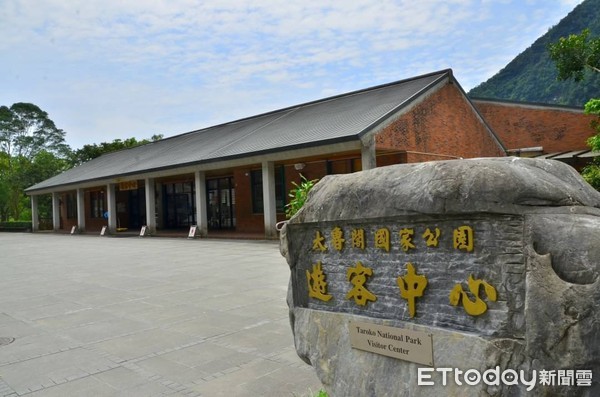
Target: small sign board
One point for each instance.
(404, 344)
(128, 185)
(192, 233)
(144, 231)
(73, 229)
(103, 231)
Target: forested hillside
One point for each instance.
(531, 76)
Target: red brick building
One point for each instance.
(236, 176)
(540, 130)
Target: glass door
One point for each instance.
(179, 205)
(221, 203)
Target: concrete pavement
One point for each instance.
(102, 316)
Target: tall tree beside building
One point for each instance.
(32, 149)
(26, 130)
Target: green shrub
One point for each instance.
(20, 225)
(298, 195)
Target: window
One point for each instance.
(71, 206)
(257, 190)
(97, 204)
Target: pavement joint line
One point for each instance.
(29, 358)
(5, 389)
(231, 370)
(162, 380)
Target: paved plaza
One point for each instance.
(102, 316)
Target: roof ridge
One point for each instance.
(525, 103)
(408, 100)
(313, 102)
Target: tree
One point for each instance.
(89, 152)
(572, 56)
(25, 130)
(591, 173)
(32, 149)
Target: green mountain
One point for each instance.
(531, 76)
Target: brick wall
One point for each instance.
(91, 224)
(247, 221)
(442, 125)
(522, 126)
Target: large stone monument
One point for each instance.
(455, 278)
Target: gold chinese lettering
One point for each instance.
(406, 236)
(473, 307)
(337, 238)
(358, 238)
(358, 277)
(411, 287)
(432, 237)
(463, 238)
(382, 239)
(319, 242)
(317, 286)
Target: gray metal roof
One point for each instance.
(587, 153)
(569, 155)
(336, 119)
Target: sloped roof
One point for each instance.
(336, 119)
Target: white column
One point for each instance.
(270, 209)
(55, 211)
(112, 207)
(368, 154)
(35, 216)
(81, 210)
(201, 211)
(149, 188)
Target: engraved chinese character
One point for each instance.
(463, 238)
(382, 239)
(432, 237)
(411, 287)
(358, 238)
(358, 277)
(317, 286)
(319, 242)
(473, 307)
(406, 236)
(337, 238)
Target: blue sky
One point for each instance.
(107, 69)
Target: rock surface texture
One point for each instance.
(529, 229)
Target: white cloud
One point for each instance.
(172, 65)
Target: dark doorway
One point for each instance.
(179, 205)
(137, 208)
(221, 203)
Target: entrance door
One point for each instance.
(221, 203)
(137, 208)
(180, 211)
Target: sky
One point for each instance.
(115, 69)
